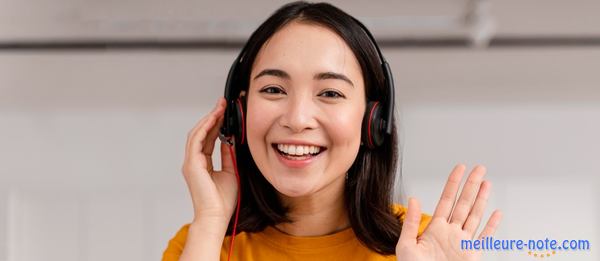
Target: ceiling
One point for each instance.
(155, 19)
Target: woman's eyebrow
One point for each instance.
(273, 72)
(333, 75)
(318, 76)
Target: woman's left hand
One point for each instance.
(451, 223)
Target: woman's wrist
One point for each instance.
(204, 239)
(210, 227)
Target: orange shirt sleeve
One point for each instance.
(176, 244)
(425, 219)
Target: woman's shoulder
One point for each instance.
(400, 211)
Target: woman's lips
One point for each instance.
(297, 162)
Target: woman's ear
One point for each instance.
(242, 94)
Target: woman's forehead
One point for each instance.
(305, 49)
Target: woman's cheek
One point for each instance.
(257, 126)
(346, 127)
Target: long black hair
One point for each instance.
(369, 187)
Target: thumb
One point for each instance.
(410, 226)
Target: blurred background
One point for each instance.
(97, 97)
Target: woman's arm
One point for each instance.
(204, 240)
(213, 192)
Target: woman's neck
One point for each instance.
(321, 213)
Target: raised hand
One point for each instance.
(213, 192)
(452, 221)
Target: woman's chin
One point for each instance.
(294, 190)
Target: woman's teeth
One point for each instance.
(298, 150)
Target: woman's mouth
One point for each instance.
(297, 156)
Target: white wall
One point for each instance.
(91, 143)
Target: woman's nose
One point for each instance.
(299, 114)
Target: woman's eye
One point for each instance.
(272, 90)
(332, 94)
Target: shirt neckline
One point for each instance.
(307, 242)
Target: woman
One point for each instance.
(310, 189)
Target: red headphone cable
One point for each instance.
(237, 209)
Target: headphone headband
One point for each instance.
(387, 73)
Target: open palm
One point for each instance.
(452, 221)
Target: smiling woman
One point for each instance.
(314, 182)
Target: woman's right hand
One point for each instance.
(214, 193)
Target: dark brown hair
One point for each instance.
(369, 187)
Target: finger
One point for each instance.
(209, 142)
(467, 196)
(194, 158)
(196, 141)
(444, 206)
(474, 218)
(492, 224)
(199, 124)
(227, 158)
(410, 226)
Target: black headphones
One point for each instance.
(376, 123)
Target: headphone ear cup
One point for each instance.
(372, 128)
(240, 120)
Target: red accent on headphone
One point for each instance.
(370, 139)
(243, 123)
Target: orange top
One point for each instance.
(272, 244)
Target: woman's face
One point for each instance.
(306, 89)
